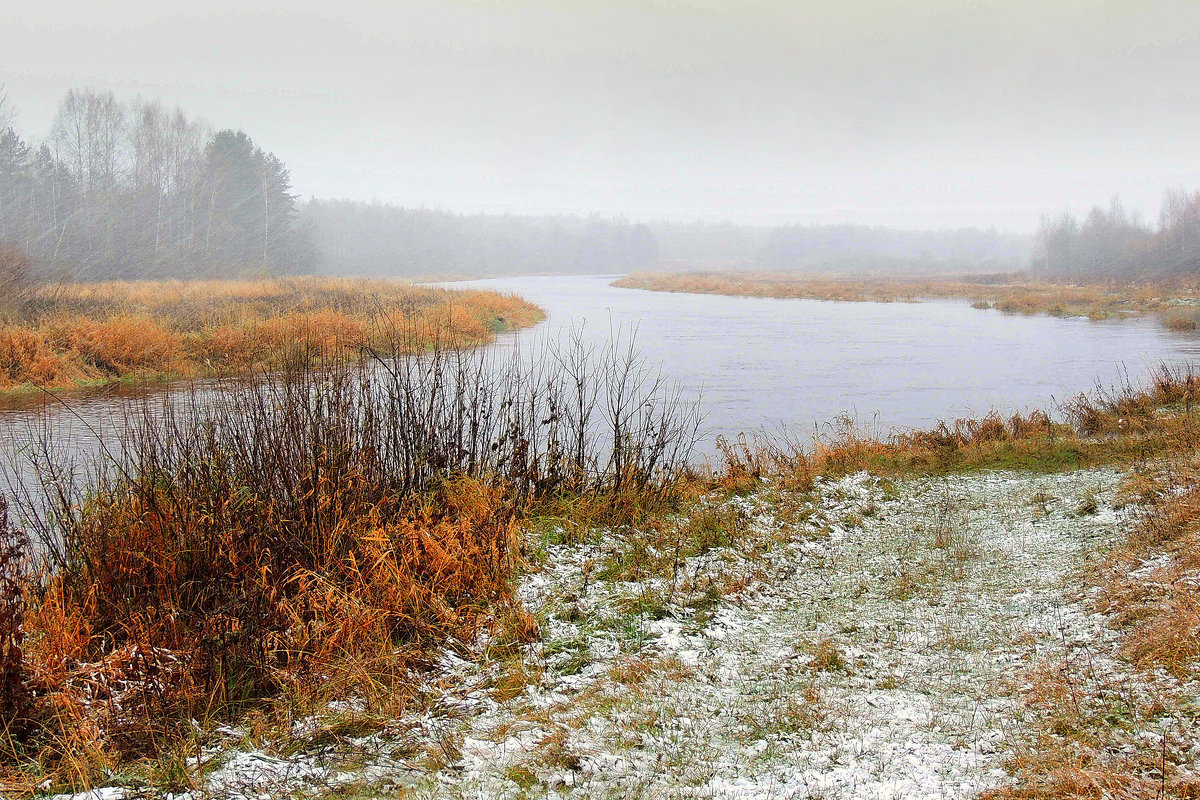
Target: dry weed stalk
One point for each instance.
(315, 529)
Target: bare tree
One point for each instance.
(7, 112)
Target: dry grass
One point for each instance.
(306, 538)
(306, 544)
(60, 336)
(1099, 734)
(1096, 301)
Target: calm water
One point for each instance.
(759, 364)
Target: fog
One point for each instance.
(920, 114)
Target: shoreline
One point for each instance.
(1178, 308)
(87, 338)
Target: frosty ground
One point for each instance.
(865, 639)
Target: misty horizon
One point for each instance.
(936, 115)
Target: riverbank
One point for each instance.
(1003, 605)
(1178, 307)
(864, 639)
(72, 336)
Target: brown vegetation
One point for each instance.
(1095, 301)
(14, 696)
(302, 539)
(16, 273)
(1093, 733)
(60, 336)
(1179, 322)
(313, 537)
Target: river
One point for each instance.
(768, 364)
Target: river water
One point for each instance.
(763, 363)
(766, 364)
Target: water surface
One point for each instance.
(762, 363)
(765, 364)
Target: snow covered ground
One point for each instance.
(864, 640)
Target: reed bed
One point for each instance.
(59, 336)
(1005, 293)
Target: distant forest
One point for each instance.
(374, 239)
(1112, 244)
(134, 190)
(370, 238)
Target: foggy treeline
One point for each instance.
(1111, 243)
(356, 237)
(375, 239)
(840, 247)
(135, 190)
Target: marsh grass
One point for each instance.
(311, 536)
(64, 335)
(1008, 294)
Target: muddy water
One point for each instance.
(763, 364)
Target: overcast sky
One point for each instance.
(918, 113)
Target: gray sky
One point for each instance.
(919, 113)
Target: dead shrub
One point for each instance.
(14, 689)
(1179, 322)
(313, 531)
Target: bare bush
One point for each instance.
(14, 694)
(277, 535)
(16, 274)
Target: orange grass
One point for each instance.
(61, 336)
(1096, 301)
(309, 537)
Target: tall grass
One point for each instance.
(59, 335)
(316, 529)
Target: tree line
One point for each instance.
(123, 190)
(1113, 244)
(881, 249)
(354, 237)
(135, 190)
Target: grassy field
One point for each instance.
(1175, 305)
(71, 335)
(298, 565)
